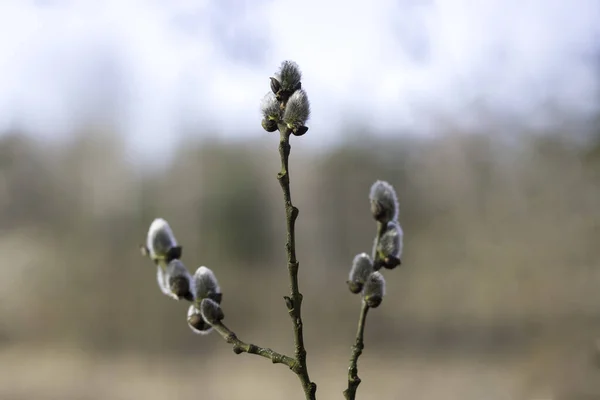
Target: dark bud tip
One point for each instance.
(188, 296)
(288, 302)
(275, 85)
(355, 287)
(374, 301)
(300, 130)
(216, 297)
(174, 253)
(269, 125)
(391, 262)
(298, 86)
(378, 264)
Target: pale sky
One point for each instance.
(159, 67)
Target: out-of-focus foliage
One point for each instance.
(501, 246)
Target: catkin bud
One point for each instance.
(384, 203)
(389, 248)
(211, 311)
(289, 76)
(179, 281)
(197, 323)
(161, 278)
(362, 267)
(275, 85)
(161, 244)
(297, 111)
(206, 286)
(270, 107)
(269, 125)
(374, 290)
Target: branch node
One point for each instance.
(289, 303)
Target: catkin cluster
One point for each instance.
(286, 105)
(201, 289)
(365, 276)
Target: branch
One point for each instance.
(242, 347)
(353, 379)
(294, 301)
(377, 262)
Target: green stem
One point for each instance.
(357, 349)
(242, 347)
(380, 231)
(294, 301)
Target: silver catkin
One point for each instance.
(391, 242)
(160, 239)
(162, 279)
(197, 323)
(205, 285)
(211, 311)
(297, 110)
(269, 107)
(289, 75)
(362, 267)
(179, 281)
(374, 290)
(384, 202)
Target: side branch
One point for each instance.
(294, 301)
(242, 347)
(357, 349)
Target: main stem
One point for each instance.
(294, 301)
(353, 379)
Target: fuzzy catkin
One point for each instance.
(362, 267)
(297, 110)
(289, 75)
(206, 285)
(211, 311)
(160, 239)
(374, 290)
(384, 202)
(197, 323)
(179, 281)
(270, 107)
(391, 242)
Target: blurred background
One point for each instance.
(485, 117)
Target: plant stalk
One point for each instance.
(242, 347)
(294, 301)
(357, 349)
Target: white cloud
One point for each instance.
(154, 67)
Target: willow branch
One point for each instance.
(357, 349)
(294, 301)
(242, 347)
(375, 255)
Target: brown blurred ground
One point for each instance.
(498, 296)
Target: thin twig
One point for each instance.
(353, 379)
(380, 231)
(242, 347)
(294, 301)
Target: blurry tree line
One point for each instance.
(499, 233)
